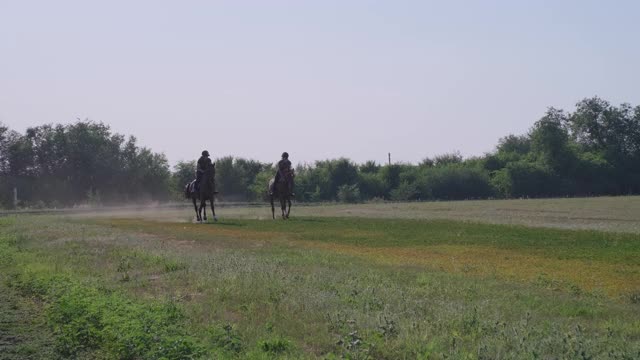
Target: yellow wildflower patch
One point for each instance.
(612, 279)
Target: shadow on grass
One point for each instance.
(308, 219)
(225, 223)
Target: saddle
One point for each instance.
(286, 176)
(189, 189)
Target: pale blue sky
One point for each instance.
(319, 79)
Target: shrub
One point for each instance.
(371, 185)
(87, 320)
(226, 338)
(349, 193)
(454, 183)
(405, 191)
(275, 346)
(525, 179)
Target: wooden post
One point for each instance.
(389, 158)
(15, 197)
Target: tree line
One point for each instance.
(594, 150)
(85, 162)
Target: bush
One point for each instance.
(226, 338)
(259, 188)
(275, 346)
(405, 191)
(371, 185)
(349, 193)
(454, 183)
(87, 320)
(525, 179)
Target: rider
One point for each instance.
(203, 162)
(284, 168)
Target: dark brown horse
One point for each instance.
(207, 192)
(282, 190)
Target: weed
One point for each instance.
(227, 338)
(471, 322)
(275, 345)
(173, 265)
(353, 346)
(388, 328)
(123, 267)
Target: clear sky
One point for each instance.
(319, 79)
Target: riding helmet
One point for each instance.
(205, 153)
(285, 155)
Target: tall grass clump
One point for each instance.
(90, 321)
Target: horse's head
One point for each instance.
(290, 174)
(210, 172)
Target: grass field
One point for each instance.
(618, 214)
(465, 280)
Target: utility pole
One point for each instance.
(389, 158)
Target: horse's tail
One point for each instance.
(187, 190)
(271, 186)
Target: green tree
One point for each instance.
(447, 159)
(526, 179)
(337, 172)
(518, 144)
(259, 187)
(369, 167)
(405, 191)
(390, 175)
(613, 132)
(454, 183)
(371, 185)
(550, 141)
(183, 173)
(70, 164)
(236, 176)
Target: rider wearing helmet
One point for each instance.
(203, 162)
(284, 169)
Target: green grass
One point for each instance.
(319, 288)
(23, 332)
(555, 243)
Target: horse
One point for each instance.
(282, 191)
(206, 192)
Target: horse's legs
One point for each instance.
(213, 210)
(289, 208)
(203, 205)
(195, 207)
(283, 206)
(273, 210)
(200, 210)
